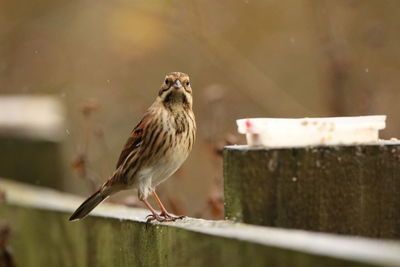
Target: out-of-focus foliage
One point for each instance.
(246, 58)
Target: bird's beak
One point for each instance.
(177, 84)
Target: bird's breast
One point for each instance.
(177, 144)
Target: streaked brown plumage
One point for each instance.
(156, 148)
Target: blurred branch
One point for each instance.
(80, 164)
(6, 258)
(3, 196)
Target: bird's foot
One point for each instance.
(155, 217)
(163, 217)
(170, 217)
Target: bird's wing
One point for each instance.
(134, 140)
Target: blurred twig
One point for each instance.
(3, 196)
(80, 163)
(216, 206)
(6, 258)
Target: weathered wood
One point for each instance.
(118, 236)
(31, 131)
(342, 189)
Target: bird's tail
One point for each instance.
(89, 204)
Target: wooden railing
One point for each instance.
(41, 235)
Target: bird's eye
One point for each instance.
(166, 81)
(187, 83)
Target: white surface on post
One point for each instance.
(38, 117)
(280, 132)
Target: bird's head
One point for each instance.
(175, 91)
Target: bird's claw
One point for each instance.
(163, 217)
(152, 217)
(171, 217)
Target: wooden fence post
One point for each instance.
(339, 189)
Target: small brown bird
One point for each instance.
(156, 148)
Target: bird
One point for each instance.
(155, 149)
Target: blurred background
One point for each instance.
(105, 61)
